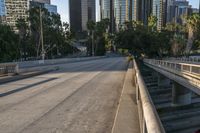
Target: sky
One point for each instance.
(63, 8)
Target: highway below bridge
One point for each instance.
(174, 90)
(106, 95)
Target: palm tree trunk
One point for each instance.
(190, 40)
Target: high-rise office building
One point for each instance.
(92, 10)
(181, 8)
(118, 11)
(49, 7)
(142, 9)
(105, 9)
(43, 1)
(160, 12)
(80, 12)
(139, 10)
(176, 9)
(170, 10)
(122, 11)
(16, 9)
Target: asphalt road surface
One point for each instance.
(80, 97)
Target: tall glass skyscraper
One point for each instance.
(2, 8)
(44, 4)
(51, 8)
(105, 9)
(123, 10)
(43, 1)
(177, 9)
(80, 12)
(158, 12)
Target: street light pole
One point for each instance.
(120, 17)
(111, 16)
(41, 35)
(92, 43)
(199, 7)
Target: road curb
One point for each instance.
(126, 118)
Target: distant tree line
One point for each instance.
(98, 39)
(173, 40)
(26, 43)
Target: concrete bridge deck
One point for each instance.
(80, 97)
(84, 96)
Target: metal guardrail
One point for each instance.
(184, 67)
(6, 69)
(148, 116)
(184, 59)
(192, 70)
(187, 71)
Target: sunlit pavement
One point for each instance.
(80, 97)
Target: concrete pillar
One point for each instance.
(155, 75)
(163, 82)
(180, 95)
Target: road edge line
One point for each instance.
(117, 112)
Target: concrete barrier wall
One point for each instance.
(27, 64)
(40, 65)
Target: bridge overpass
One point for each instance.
(90, 95)
(168, 96)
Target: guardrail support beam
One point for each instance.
(180, 95)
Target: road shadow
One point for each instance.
(25, 87)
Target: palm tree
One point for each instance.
(178, 45)
(152, 22)
(9, 48)
(22, 30)
(91, 27)
(34, 19)
(193, 23)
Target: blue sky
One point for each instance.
(63, 8)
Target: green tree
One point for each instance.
(9, 47)
(91, 25)
(23, 32)
(178, 45)
(56, 35)
(101, 36)
(193, 24)
(34, 19)
(142, 40)
(152, 23)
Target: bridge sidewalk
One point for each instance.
(127, 117)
